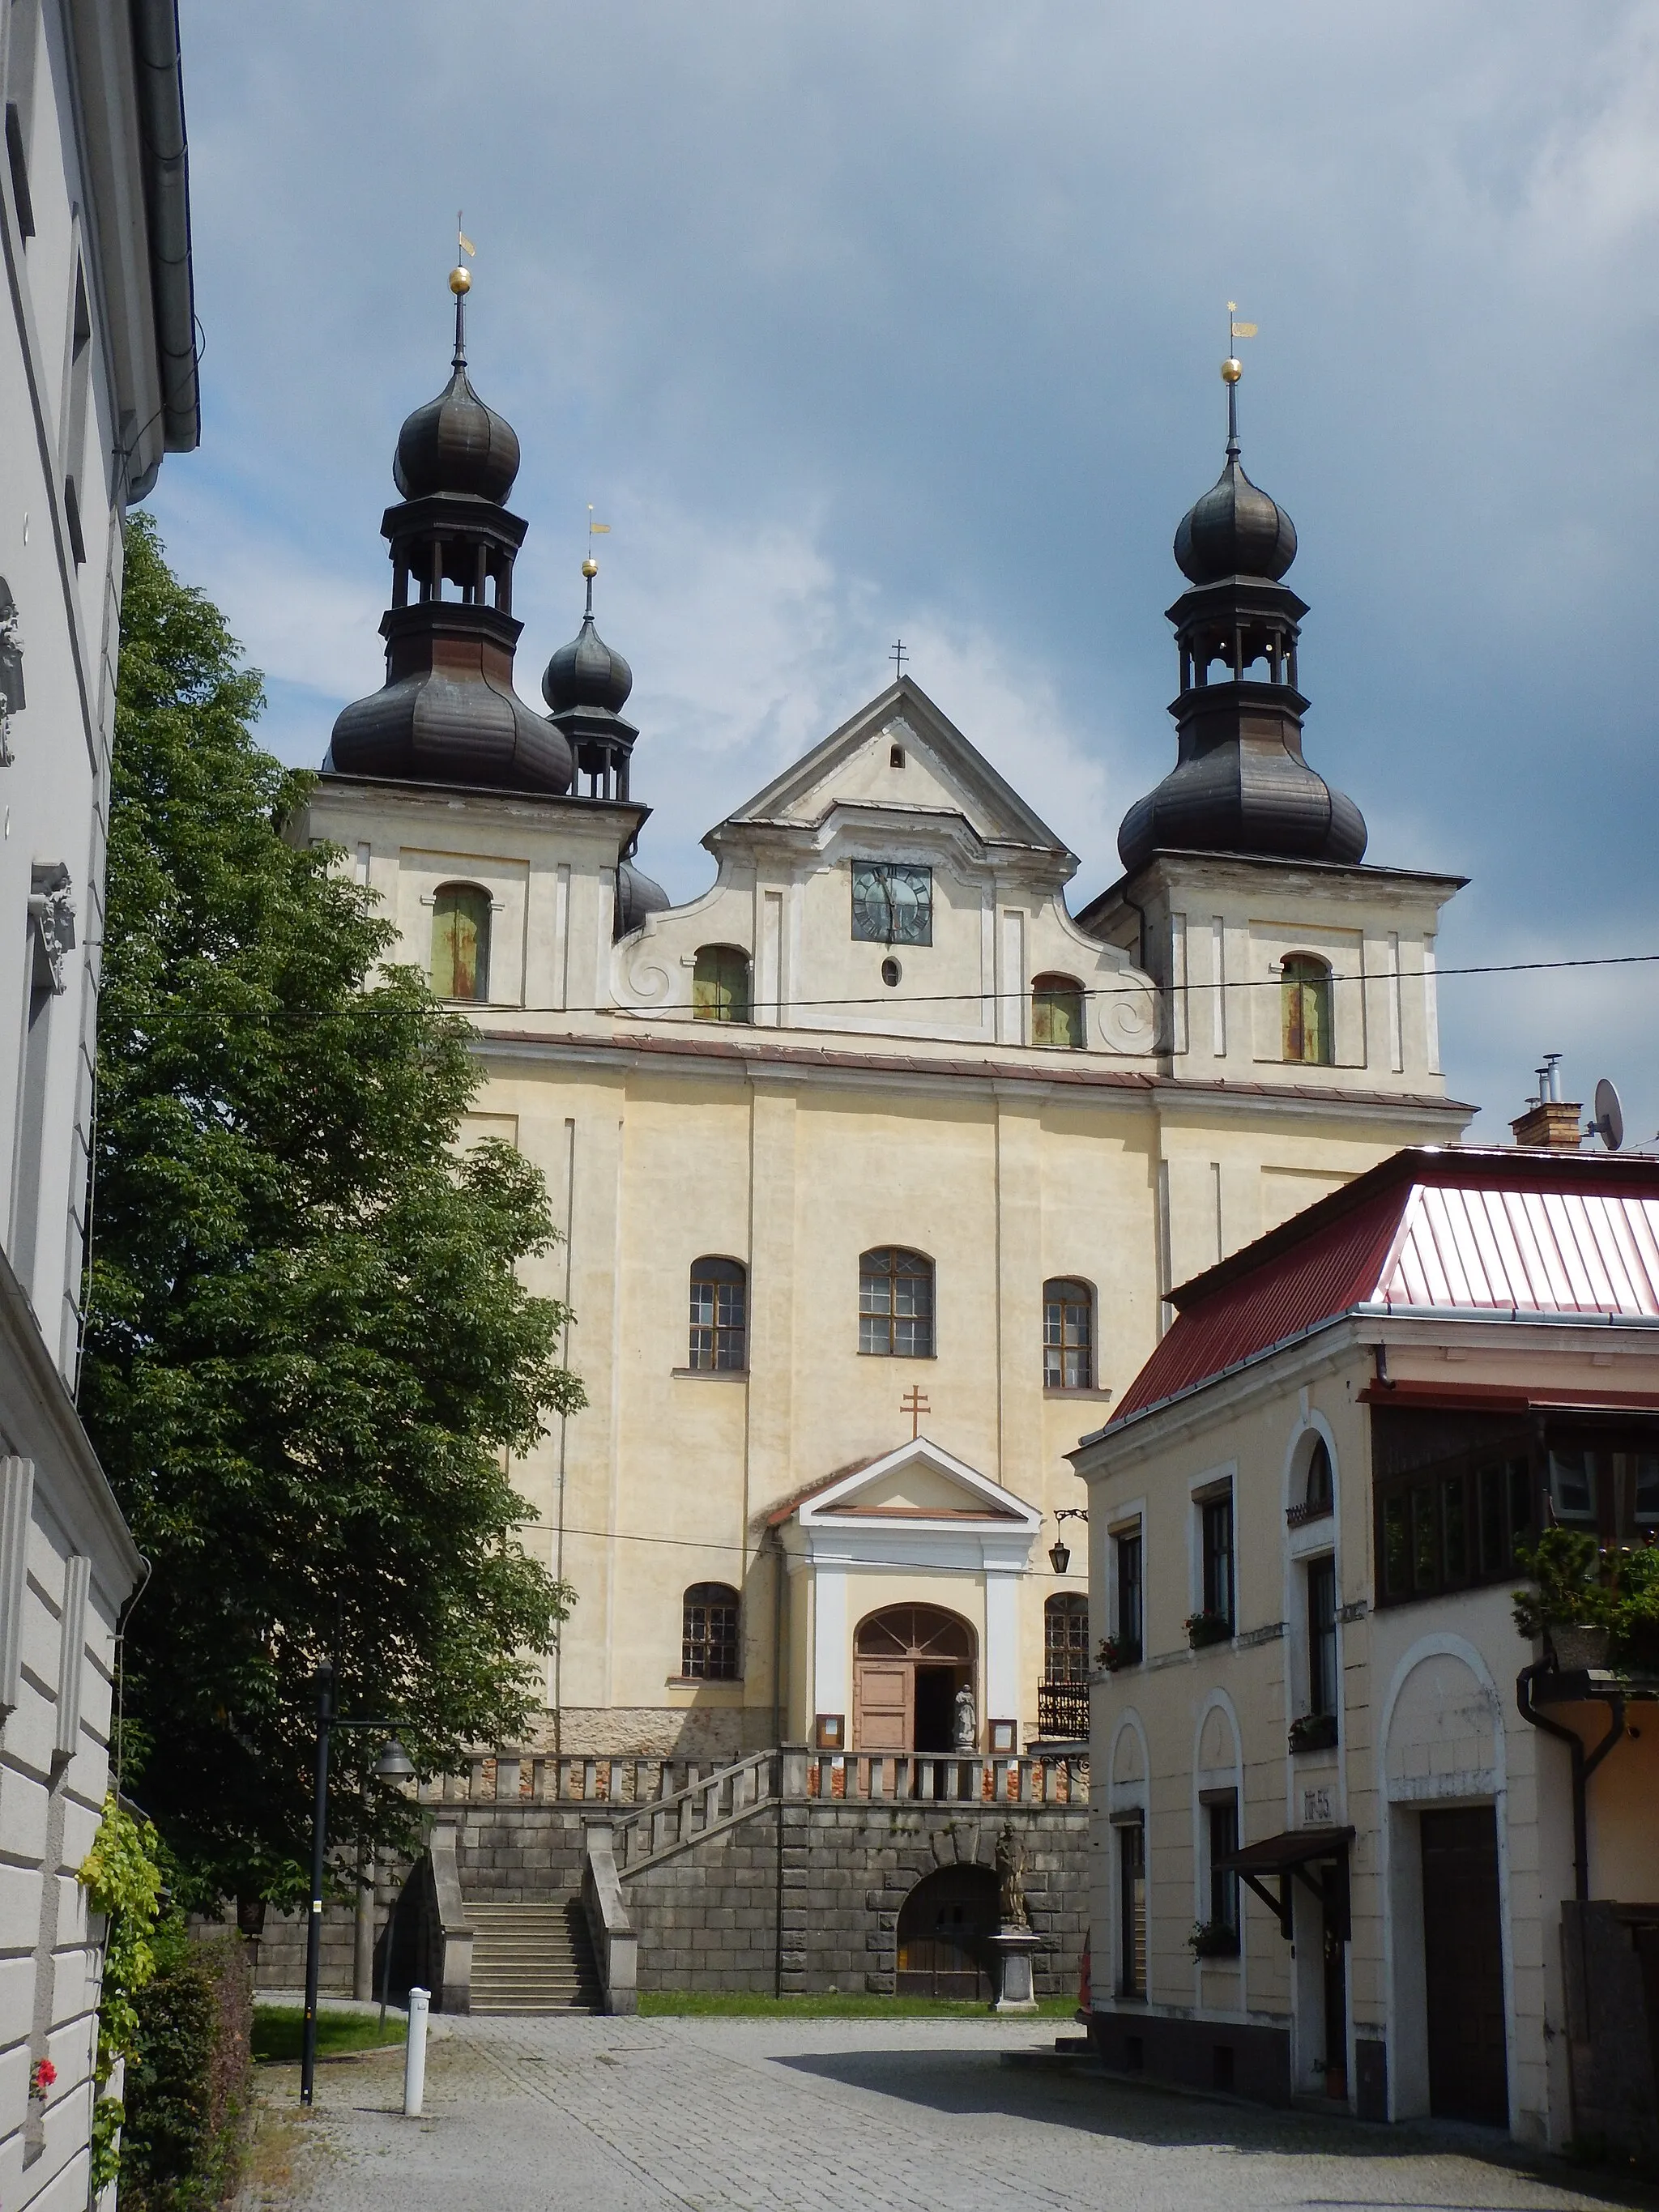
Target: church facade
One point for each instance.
(877, 1161)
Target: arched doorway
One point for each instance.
(943, 1927)
(909, 1663)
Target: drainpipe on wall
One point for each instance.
(1582, 1766)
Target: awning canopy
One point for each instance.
(1289, 1856)
(1297, 1847)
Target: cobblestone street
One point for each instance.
(829, 2116)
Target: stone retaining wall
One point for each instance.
(811, 1900)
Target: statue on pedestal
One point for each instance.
(1011, 1872)
(967, 1722)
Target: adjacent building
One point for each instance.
(1353, 1838)
(97, 382)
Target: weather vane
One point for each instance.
(1232, 368)
(898, 655)
(591, 566)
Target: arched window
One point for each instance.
(1305, 1000)
(719, 1326)
(460, 942)
(1065, 1637)
(895, 1304)
(720, 984)
(1057, 1015)
(1068, 1335)
(708, 1634)
(1318, 1499)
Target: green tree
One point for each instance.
(309, 1352)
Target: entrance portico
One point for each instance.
(904, 1591)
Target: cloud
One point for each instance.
(864, 321)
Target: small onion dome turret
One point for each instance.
(455, 443)
(1234, 530)
(587, 672)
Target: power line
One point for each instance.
(365, 1004)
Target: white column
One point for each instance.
(1002, 1701)
(830, 1644)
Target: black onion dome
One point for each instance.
(457, 444)
(587, 672)
(1234, 530)
(637, 896)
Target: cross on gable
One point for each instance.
(915, 1406)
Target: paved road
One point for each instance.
(836, 2116)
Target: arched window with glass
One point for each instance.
(1057, 1013)
(720, 984)
(1305, 1004)
(895, 1304)
(1068, 1334)
(461, 943)
(719, 1319)
(709, 1646)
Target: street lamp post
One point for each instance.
(393, 1765)
(1060, 1552)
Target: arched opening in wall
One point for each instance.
(461, 943)
(910, 1663)
(944, 1930)
(1057, 1013)
(720, 984)
(1305, 1004)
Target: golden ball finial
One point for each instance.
(460, 280)
(590, 567)
(1231, 370)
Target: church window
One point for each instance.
(1305, 1001)
(460, 942)
(1068, 1335)
(720, 1333)
(1065, 1637)
(896, 1304)
(891, 904)
(891, 973)
(708, 1639)
(720, 984)
(1057, 1015)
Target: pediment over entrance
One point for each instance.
(920, 1484)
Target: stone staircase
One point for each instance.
(535, 1957)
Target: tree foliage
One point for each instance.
(309, 1352)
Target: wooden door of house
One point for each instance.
(884, 1704)
(1463, 1956)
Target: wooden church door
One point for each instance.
(884, 1704)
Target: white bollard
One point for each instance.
(415, 2054)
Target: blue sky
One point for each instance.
(859, 320)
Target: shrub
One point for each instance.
(1576, 1582)
(188, 2088)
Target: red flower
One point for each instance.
(41, 2079)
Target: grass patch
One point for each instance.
(278, 2030)
(851, 2004)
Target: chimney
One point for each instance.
(1551, 1122)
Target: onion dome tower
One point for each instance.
(1240, 784)
(587, 684)
(448, 712)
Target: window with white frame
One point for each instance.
(1128, 1586)
(1215, 1542)
(1132, 1907)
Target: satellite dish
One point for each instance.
(1609, 1122)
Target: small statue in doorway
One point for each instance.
(967, 1727)
(1011, 1875)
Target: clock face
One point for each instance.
(891, 904)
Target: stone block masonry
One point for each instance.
(804, 1895)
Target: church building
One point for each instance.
(877, 1160)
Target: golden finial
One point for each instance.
(460, 278)
(590, 567)
(1232, 368)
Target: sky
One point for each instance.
(870, 321)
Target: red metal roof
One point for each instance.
(1511, 1231)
